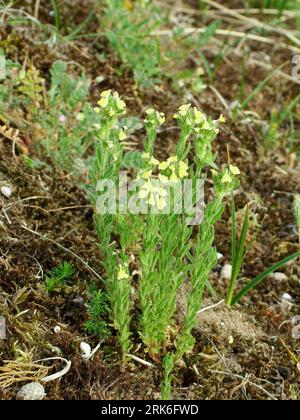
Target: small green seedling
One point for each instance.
(59, 277)
(98, 310)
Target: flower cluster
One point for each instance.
(123, 272)
(226, 180)
(154, 118)
(111, 103)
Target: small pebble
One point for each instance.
(86, 350)
(279, 276)
(219, 255)
(6, 191)
(287, 297)
(226, 272)
(31, 391)
(57, 329)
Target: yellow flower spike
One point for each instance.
(161, 119)
(214, 172)
(163, 165)
(222, 119)
(154, 161)
(122, 135)
(226, 178)
(234, 170)
(183, 169)
(145, 156)
(175, 116)
(183, 109)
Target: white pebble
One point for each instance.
(86, 350)
(279, 276)
(287, 297)
(219, 255)
(57, 329)
(226, 272)
(31, 391)
(6, 191)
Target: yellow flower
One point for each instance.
(172, 159)
(103, 102)
(214, 172)
(146, 174)
(175, 116)
(226, 178)
(122, 135)
(206, 126)
(105, 93)
(173, 177)
(234, 170)
(199, 117)
(122, 275)
(97, 110)
(162, 119)
(222, 119)
(183, 169)
(154, 161)
(163, 165)
(183, 109)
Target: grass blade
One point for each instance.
(258, 279)
(239, 258)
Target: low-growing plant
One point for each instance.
(167, 254)
(128, 30)
(59, 120)
(98, 311)
(59, 277)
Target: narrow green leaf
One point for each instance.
(258, 279)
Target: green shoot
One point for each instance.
(168, 364)
(238, 249)
(98, 309)
(59, 277)
(258, 279)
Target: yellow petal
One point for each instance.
(163, 165)
(226, 178)
(122, 135)
(234, 170)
